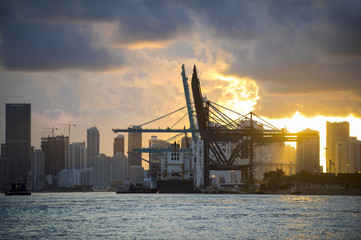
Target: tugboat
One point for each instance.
(17, 189)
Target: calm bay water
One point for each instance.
(179, 216)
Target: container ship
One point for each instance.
(176, 175)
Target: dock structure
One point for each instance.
(218, 141)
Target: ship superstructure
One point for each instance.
(176, 173)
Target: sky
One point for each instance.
(112, 64)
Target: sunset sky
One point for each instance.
(112, 64)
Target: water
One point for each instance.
(179, 216)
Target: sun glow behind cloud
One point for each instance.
(299, 122)
(241, 94)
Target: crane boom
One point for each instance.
(201, 111)
(69, 125)
(188, 101)
(52, 130)
(156, 130)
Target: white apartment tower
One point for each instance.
(102, 171)
(76, 155)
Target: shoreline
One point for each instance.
(308, 192)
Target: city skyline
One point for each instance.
(67, 160)
(298, 65)
(150, 136)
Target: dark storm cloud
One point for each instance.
(292, 48)
(138, 20)
(152, 21)
(54, 35)
(332, 25)
(30, 47)
(35, 45)
(345, 37)
(229, 18)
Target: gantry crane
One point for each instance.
(244, 132)
(214, 127)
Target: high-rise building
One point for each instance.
(18, 140)
(76, 155)
(86, 176)
(3, 150)
(347, 157)
(134, 142)
(102, 171)
(118, 144)
(4, 168)
(119, 167)
(335, 132)
(308, 151)
(270, 157)
(37, 170)
(4, 173)
(136, 174)
(93, 143)
(55, 150)
(71, 177)
(357, 154)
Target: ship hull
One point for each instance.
(10, 193)
(17, 189)
(175, 186)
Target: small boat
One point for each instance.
(17, 189)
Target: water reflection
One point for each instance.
(158, 216)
